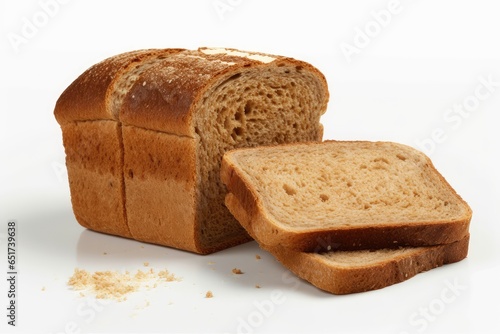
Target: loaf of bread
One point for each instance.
(340, 195)
(144, 133)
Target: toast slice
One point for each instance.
(344, 272)
(343, 195)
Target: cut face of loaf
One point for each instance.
(343, 195)
(170, 115)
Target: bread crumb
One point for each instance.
(257, 286)
(104, 253)
(116, 285)
(257, 257)
(209, 294)
(146, 264)
(237, 271)
(168, 276)
(43, 288)
(210, 263)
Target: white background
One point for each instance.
(401, 83)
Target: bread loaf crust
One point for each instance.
(87, 97)
(154, 94)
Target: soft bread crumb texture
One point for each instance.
(262, 106)
(117, 285)
(338, 184)
(209, 294)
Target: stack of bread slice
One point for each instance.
(347, 216)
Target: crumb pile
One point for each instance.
(116, 285)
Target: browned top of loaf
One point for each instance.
(164, 95)
(86, 97)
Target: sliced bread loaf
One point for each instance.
(343, 195)
(145, 132)
(344, 272)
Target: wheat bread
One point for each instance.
(343, 195)
(144, 134)
(345, 272)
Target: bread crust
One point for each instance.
(389, 235)
(87, 97)
(95, 175)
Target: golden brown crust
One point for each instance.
(95, 175)
(86, 97)
(160, 187)
(390, 235)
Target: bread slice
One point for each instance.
(145, 132)
(340, 195)
(344, 272)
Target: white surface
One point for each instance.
(400, 87)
